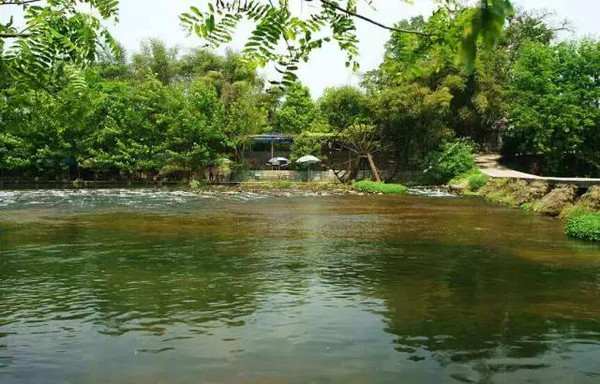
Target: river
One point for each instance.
(121, 286)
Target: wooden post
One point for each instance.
(272, 149)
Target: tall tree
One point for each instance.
(298, 112)
(157, 60)
(343, 106)
(555, 110)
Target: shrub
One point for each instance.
(374, 187)
(77, 183)
(284, 184)
(461, 183)
(526, 207)
(450, 160)
(476, 182)
(196, 185)
(584, 226)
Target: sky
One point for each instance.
(141, 19)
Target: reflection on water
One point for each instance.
(130, 287)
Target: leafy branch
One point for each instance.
(286, 39)
(55, 38)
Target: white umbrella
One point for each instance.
(308, 160)
(278, 161)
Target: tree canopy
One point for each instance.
(159, 114)
(95, 111)
(555, 108)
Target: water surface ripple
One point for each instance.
(146, 286)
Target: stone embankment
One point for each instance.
(546, 195)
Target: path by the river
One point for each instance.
(490, 165)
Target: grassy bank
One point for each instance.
(368, 186)
(581, 213)
(286, 186)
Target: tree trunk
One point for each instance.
(355, 168)
(374, 170)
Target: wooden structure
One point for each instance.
(272, 138)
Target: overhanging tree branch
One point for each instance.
(14, 35)
(371, 21)
(18, 2)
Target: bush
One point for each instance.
(476, 182)
(374, 187)
(584, 226)
(526, 207)
(449, 161)
(196, 185)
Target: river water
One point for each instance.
(171, 287)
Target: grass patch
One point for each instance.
(464, 177)
(375, 187)
(526, 207)
(197, 185)
(469, 183)
(288, 185)
(476, 182)
(584, 226)
(514, 193)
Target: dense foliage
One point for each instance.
(450, 160)
(97, 112)
(555, 109)
(47, 43)
(156, 115)
(585, 227)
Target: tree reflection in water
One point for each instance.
(370, 289)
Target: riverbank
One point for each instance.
(287, 188)
(578, 207)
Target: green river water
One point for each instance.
(169, 287)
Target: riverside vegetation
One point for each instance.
(164, 113)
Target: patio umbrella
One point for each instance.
(308, 160)
(278, 161)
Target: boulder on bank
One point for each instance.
(514, 192)
(529, 192)
(560, 198)
(591, 200)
